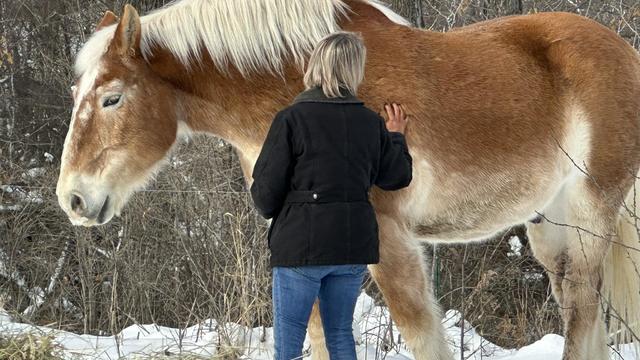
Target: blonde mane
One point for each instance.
(251, 35)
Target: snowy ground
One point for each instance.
(370, 324)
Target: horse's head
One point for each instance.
(122, 127)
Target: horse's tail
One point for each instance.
(622, 275)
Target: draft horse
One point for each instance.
(516, 119)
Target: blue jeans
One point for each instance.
(295, 289)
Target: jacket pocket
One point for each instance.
(276, 222)
(289, 235)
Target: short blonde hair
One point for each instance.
(337, 64)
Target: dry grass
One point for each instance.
(27, 347)
(505, 296)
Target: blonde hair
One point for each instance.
(337, 64)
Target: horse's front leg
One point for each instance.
(402, 277)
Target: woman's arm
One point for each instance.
(395, 169)
(272, 171)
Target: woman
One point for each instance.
(321, 156)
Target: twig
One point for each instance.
(40, 299)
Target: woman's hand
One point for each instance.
(396, 118)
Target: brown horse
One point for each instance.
(512, 118)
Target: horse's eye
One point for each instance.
(537, 220)
(111, 100)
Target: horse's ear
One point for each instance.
(126, 40)
(108, 19)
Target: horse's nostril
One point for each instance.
(77, 203)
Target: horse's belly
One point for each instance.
(474, 206)
(485, 195)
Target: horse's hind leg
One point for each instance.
(549, 242)
(550, 254)
(402, 277)
(316, 334)
(590, 219)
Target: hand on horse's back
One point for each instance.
(396, 119)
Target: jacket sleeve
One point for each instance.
(395, 168)
(273, 168)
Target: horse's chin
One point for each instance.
(102, 199)
(111, 207)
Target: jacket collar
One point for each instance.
(317, 95)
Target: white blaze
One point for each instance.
(86, 84)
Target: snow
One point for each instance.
(371, 324)
(21, 194)
(34, 172)
(516, 247)
(533, 276)
(7, 188)
(9, 208)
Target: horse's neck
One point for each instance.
(231, 107)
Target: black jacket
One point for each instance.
(318, 162)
